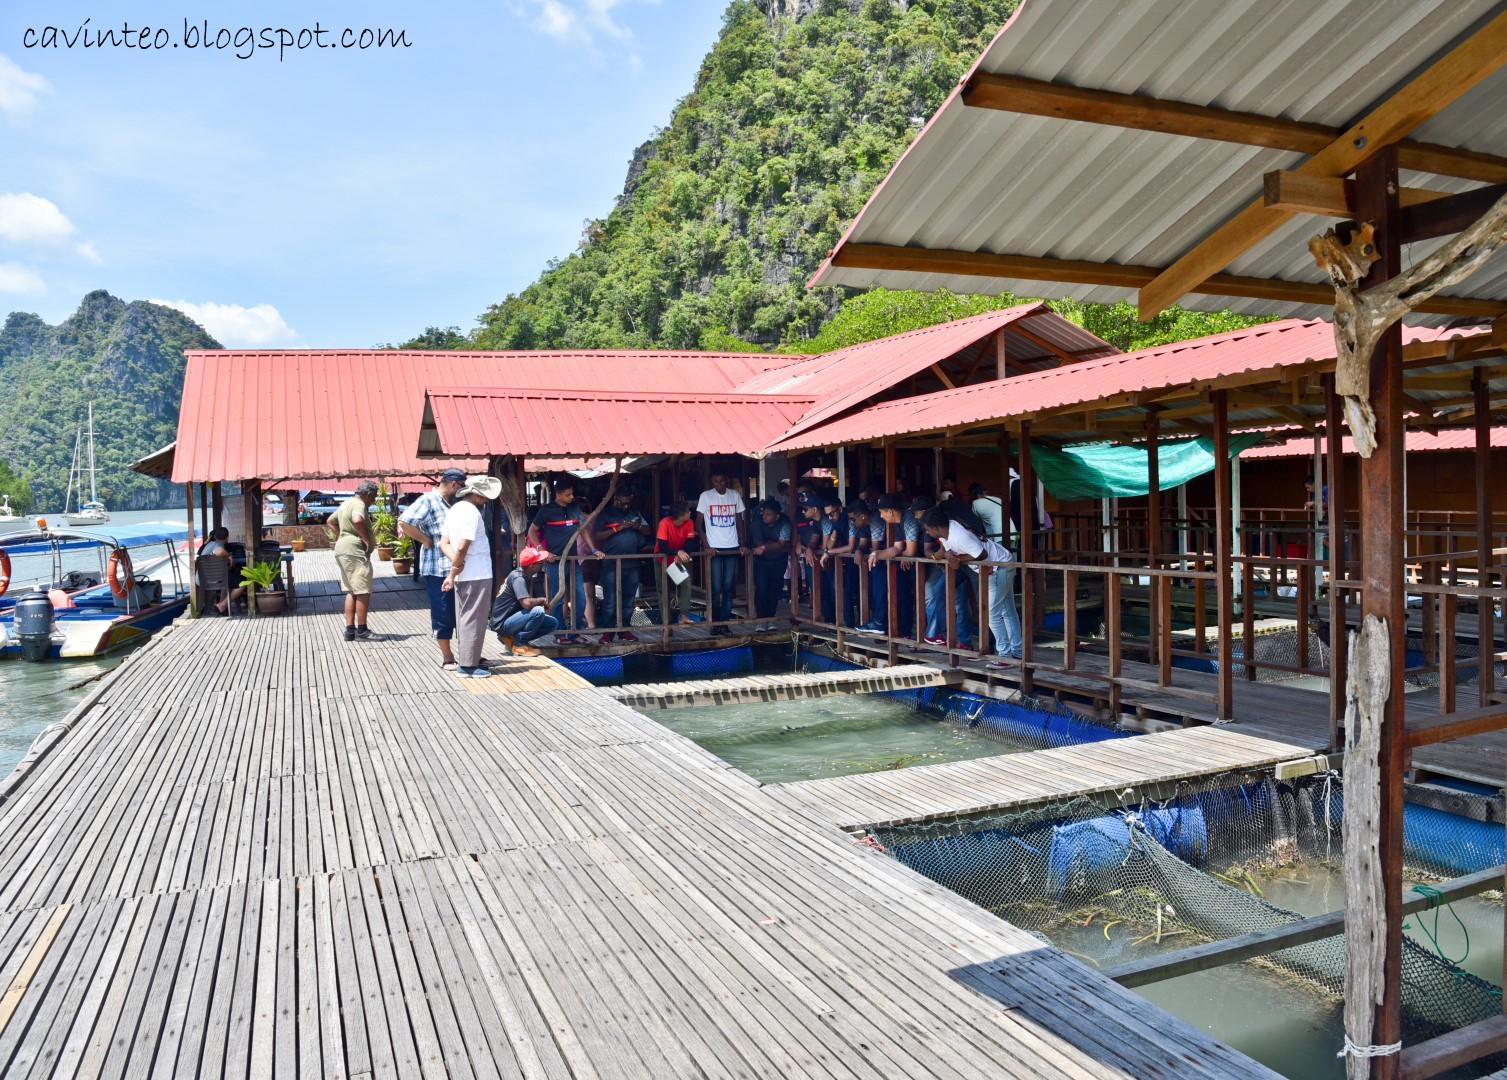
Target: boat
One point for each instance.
(10, 521)
(129, 598)
(92, 512)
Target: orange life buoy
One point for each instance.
(120, 557)
(4, 571)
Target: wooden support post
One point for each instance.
(193, 576)
(1223, 585)
(1485, 541)
(1446, 654)
(1069, 618)
(891, 571)
(1001, 370)
(1153, 531)
(1027, 553)
(1374, 756)
(1339, 643)
(1112, 626)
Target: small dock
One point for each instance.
(263, 851)
(1147, 764)
(791, 686)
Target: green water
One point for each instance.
(836, 736)
(1285, 1026)
(35, 695)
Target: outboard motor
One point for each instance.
(33, 626)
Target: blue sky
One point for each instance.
(335, 197)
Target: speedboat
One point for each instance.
(141, 585)
(10, 521)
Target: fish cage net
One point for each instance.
(1167, 875)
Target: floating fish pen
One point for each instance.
(1166, 875)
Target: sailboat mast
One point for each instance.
(78, 438)
(93, 493)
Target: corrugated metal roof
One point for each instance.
(1418, 442)
(981, 180)
(1197, 363)
(841, 380)
(466, 421)
(287, 414)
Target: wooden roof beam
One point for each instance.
(1064, 357)
(1426, 214)
(1443, 82)
(1033, 97)
(1076, 272)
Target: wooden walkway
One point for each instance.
(796, 685)
(959, 788)
(264, 851)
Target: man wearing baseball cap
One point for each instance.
(518, 616)
(464, 538)
(422, 523)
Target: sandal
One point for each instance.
(449, 665)
(572, 639)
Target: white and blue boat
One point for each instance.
(106, 588)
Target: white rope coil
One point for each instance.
(1385, 1050)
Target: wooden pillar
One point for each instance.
(796, 515)
(842, 475)
(1001, 369)
(1223, 585)
(1339, 641)
(1027, 553)
(1154, 531)
(892, 533)
(193, 577)
(1485, 536)
(1375, 756)
(204, 510)
(217, 494)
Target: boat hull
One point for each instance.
(86, 633)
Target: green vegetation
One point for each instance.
(795, 118)
(15, 487)
(127, 359)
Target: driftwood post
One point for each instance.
(586, 522)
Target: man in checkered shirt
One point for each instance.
(422, 523)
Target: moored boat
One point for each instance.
(88, 614)
(10, 521)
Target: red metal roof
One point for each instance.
(466, 421)
(287, 414)
(844, 379)
(1268, 347)
(1418, 442)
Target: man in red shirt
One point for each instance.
(673, 542)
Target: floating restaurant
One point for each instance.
(326, 859)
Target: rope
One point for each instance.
(1435, 898)
(1386, 1050)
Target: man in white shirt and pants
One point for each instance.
(964, 547)
(464, 540)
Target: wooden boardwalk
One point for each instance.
(958, 788)
(263, 851)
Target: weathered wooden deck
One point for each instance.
(791, 686)
(262, 851)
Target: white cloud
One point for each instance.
(90, 252)
(18, 88)
(15, 278)
(233, 324)
(30, 219)
(580, 22)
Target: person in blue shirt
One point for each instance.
(936, 582)
(422, 522)
(770, 537)
(907, 545)
(867, 522)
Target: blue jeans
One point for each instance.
(936, 601)
(441, 608)
(552, 572)
(724, 579)
(879, 596)
(525, 626)
(616, 604)
(1004, 619)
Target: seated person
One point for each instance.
(517, 615)
(216, 545)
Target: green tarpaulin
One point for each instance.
(1105, 470)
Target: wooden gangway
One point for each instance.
(787, 686)
(1128, 768)
(263, 851)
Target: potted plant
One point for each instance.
(298, 543)
(384, 531)
(402, 556)
(258, 578)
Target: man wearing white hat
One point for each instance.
(464, 539)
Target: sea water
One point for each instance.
(35, 695)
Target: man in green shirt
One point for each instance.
(353, 553)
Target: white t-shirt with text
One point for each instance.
(960, 541)
(721, 513)
(463, 521)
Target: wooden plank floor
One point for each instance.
(955, 788)
(791, 686)
(262, 850)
